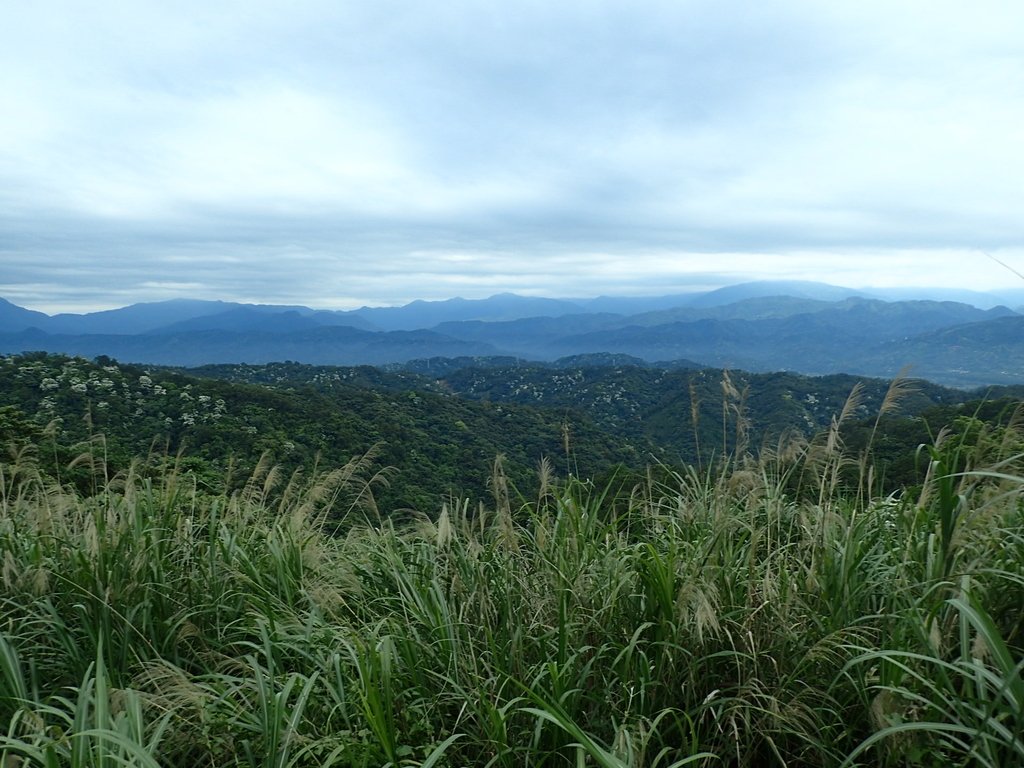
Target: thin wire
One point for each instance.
(1004, 264)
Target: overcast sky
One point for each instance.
(337, 153)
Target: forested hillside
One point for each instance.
(439, 445)
(438, 435)
(676, 417)
(774, 607)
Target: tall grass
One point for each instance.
(716, 617)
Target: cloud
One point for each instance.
(378, 152)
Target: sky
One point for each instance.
(336, 153)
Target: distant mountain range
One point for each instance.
(810, 328)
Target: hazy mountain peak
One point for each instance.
(800, 289)
(14, 318)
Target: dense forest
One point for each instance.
(498, 564)
(435, 433)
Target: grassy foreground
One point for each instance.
(751, 618)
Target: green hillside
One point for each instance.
(438, 435)
(765, 614)
(438, 445)
(653, 408)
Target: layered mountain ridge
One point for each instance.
(809, 328)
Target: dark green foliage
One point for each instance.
(443, 445)
(443, 431)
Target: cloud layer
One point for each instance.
(336, 154)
